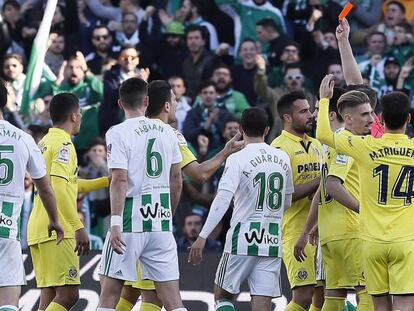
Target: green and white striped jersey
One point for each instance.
(146, 148)
(260, 177)
(18, 154)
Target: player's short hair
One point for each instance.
(159, 92)
(132, 92)
(352, 99)
(372, 95)
(3, 95)
(62, 105)
(285, 103)
(395, 109)
(254, 121)
(267, 22)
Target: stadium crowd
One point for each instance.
(220, 57)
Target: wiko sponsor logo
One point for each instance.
(5, 221)
(256, 237)
(150, 211)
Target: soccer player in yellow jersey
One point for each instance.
(57, 266)
(161, 105)
(305, 156)
(385, 203)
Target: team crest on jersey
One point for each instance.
(350, 141)
(341, 159)
(73, 272)
(302, 274)
(180, 138)
(63, 155)
(109, 149)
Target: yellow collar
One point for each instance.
(294, 137)
(60, 132)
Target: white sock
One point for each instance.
(8, 308)
(105, 309)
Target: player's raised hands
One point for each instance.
(299, 249)
(234, 144)
(327, 86)
(196, 251)
(343, 29)
(55, 226)
(117, 243)
(82, 242)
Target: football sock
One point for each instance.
(365, 301)
(146, 306)
(124, 305)
(53, 306)
(224, 305)
(293, 306)
(8, 308)
(313, 308)
(333, 304)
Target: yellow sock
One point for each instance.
(365, 301)
(333, 304)
(292, 306)
(313, 308)
(55, 307)
(146, 306)
(124, 305)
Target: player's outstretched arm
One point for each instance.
(47, 196)
(89, 185)
(311, 221)
(201, 172)
(323, 128)
(218, 208)
(117, 193)
(305, 190)
(176, 185)
(352, 74)
(336, 189)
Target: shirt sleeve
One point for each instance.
(348, 144)
(289, 180)
(177, 158)
(340, 165)
(231, 176)
(36, 165)
(117, 153)
(186, 153)
(61, 156)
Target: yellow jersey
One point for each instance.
(305, 157)
(61, 161)
(186, 153)
(386, 171)
(335, 221)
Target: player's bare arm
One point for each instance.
(323, 129)
(47, 196)
(305, 190)
(117, 191)
(176, 185)
(336, 189)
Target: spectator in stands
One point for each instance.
(392, 69)
(402, 48)
(196, 65)
(13, 74)
(54, 56)
(205, 118)
(247, 13)
(232, 100)
(377, 44)
(109, 112)
(129, 34)
(10, 112)
(293, 81)
(243, 74)
(395, 15)
(193, 11)
(14, 21)
(183, 102)
(105, 49)
(267, 33)
(192, 227)
(335, 69)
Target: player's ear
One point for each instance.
(332, 116)
(167, 106)
(408, 118)
(146, 101)
(266, 131)
(120, 104)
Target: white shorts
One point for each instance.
(320, 269)
(262, 274)
(157, 252)
(11, 263)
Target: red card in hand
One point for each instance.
(347, 8)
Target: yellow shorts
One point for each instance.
(140, 283)
(343, 264)
(388, 267)
(55, 265)
(299, 273)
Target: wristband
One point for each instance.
(116, 220)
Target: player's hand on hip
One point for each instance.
(235, 144)
(115, 238)
(299, 249)
(196, 251)
(55, 226)
(82, 242)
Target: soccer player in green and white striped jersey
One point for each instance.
(260, 179)
(18, 153)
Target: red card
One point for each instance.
(347, 8)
